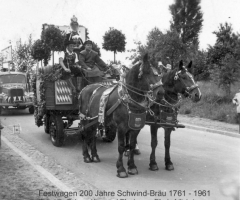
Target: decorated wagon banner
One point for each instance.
(63, 93)
(67, 29)
(6, 54)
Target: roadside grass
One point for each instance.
(213, 105)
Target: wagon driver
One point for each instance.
(90, 60)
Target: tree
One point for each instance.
(114, 40)
(22, 57)
(169, 48)
(223, 58)
(187, 20)
(40, 52)
(165, 47)
(52, 39)
(200, 67)
(138, 53)
(227, 74)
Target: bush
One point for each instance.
(213, 105)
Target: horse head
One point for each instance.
(184, 82)
(143, 76)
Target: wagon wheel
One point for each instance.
(46, 124)
(56, 130)
(111, 132)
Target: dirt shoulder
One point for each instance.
(19, 180)
(208, 123)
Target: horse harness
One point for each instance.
(136, 120)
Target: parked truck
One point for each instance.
(15, 91)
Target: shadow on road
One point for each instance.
(14, 112)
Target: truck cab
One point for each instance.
(15, 91)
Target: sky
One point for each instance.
(135, 18)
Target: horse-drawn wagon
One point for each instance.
(56, 105)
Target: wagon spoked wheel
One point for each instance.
(56, 130)
(111, 132)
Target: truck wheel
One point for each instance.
(111, 132)
(56, 130)
(31, 110)
(46, 124)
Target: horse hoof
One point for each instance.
(169, 167)
(153, 167)
(122, 175)
(87, 160)
(133, 171)
(137, 152)
(96, 159)
(126, 153)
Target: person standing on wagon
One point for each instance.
(74, 36)
(236, 101)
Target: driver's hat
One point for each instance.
(88, 42)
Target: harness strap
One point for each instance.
(159, 83)
(192, 87)
(113, 107)
(108, 113)
(92, 97)
(90, 124)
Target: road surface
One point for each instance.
(202, 161)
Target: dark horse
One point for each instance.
(141, 86)
(176, 81)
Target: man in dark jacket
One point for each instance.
(90, 60)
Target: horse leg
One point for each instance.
(121, 171)
(154, 143)
(137, 150)
(132, 169)
(86, 141)
(167, 143)
(127, 146)
(95, 157)
(86, 156)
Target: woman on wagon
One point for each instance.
(68, 60)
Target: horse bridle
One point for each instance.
(187, 90)
(147, 94)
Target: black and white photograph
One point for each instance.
(119, 100)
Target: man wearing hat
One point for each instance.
(90, 60)
(74, 36)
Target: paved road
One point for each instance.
(201, 160)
